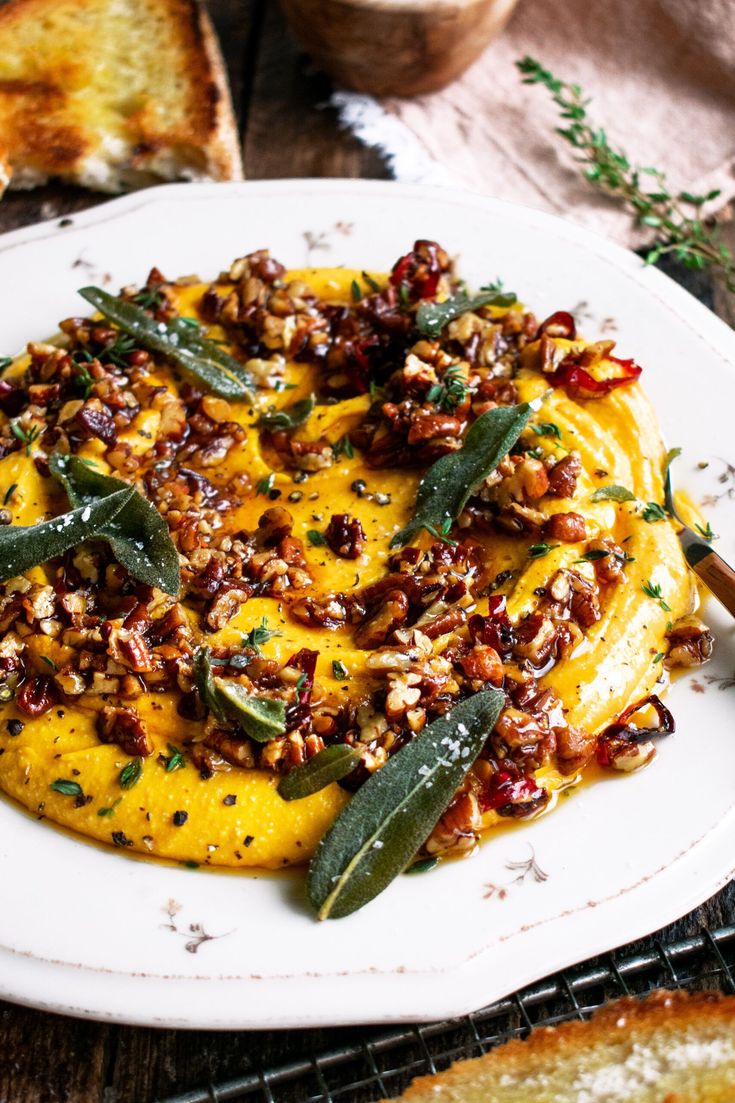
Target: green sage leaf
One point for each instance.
(288, 417)
(331, 764)
(26, 546)
(137, 534)
(262, 718)
(178, 341)
(432, 317)
(446, 486)
(613, 494)
(204, 681)
(378, 833)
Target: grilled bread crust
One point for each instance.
(113, 94)
(669, 1048)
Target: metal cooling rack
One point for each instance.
(382, 1062)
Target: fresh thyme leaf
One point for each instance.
(288, 417)
(67, 788)
(706, 531)
(259, 635)
(442, 533)
(538, 551)
(343, 447)
(265, 485)
(188, 348)
(355, 291)
(109, 811)
(593, 555)
(301, 683)
(447, 485)
(613, 494)
(432, 317)
(547, 429)
(316, 538)
(5, 362)
(326, 767)
(131, 773)
(9, 493)
(83, 380)
(26, 546)
(451, 391)
(49, 662)
(339, 670)
(372, 284)
(26, 436)
(377, 834)
(654, 592)
(658, 657)
(175, 760)
(137, 534)
(150, 298)
(676, 216)
(653, 512)
(262, 718)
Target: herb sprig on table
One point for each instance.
(676, 217)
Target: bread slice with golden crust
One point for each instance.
(113, 94)
(669, 1048)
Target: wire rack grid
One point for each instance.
(383, 1062)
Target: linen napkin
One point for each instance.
(661, 76)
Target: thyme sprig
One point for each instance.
(694, 241)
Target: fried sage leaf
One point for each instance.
(204, 681)
(331, 764)
(288, 417)
(178, 341)
(262, 718)
(613, 494)
(378, 833)
(432, 317)
(26, 546)
(446, 486)
(137, 534)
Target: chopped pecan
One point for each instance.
(569, 528)
(345, 536)
(274, 525)
(610, 567)
(325, 612)
(238, 752)
(483, 663)
(225, 605)
(459, 828)
(122, 725)
(391, 614)
(690, 643)
(563, 476)
(574, 748)
(585, 606)
(536, 639)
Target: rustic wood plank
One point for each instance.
(50, 1058)
(290, 131)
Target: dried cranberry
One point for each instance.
(420, 270)
(37, 696)
(510, 793)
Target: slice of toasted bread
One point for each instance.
(670, 1048)
(113, 94)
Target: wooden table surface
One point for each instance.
(287, 131)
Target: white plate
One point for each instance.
(93, 933)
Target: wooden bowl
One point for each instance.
(395, 47)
